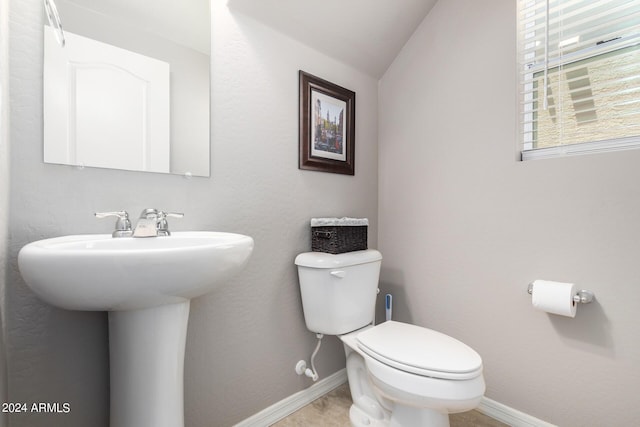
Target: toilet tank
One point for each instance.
(338, 291)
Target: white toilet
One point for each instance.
(399, 374)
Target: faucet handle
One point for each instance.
(163, 225)
(163, 215)
(123, 225)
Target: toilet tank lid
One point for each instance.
(325, 260)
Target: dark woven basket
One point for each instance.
(339, 239)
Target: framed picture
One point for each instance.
(327, 126)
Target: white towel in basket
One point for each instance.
(331, 222)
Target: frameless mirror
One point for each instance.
(130, 88)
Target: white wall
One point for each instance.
(244, 339)
(464, 227)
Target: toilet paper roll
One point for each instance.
(554, 297)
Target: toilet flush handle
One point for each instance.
(339, 273)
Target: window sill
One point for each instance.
(582, 148)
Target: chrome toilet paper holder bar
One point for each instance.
(582, 297)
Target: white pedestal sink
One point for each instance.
(146, 285)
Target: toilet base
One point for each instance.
(407, 416)
(359, 418)
(402, 416)
(368, 411)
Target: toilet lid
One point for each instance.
(420, 351)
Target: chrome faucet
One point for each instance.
(123, 225)
(153, 223)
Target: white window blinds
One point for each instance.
(579, 76)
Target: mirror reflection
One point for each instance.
(130, 88)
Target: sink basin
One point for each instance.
(146, 285)
(99, 273)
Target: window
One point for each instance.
(579, 76)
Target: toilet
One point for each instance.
(400, 375)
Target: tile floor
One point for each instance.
(332, 410)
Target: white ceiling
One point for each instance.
(186, 22)
(366, 34)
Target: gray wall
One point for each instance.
(245, 338)
(4, 189)
(464, 227)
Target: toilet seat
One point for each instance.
(420, 351)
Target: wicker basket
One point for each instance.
(339, 239)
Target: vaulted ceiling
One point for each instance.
(366, 34)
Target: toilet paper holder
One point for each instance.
(582, 297)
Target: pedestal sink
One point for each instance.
(146, 285)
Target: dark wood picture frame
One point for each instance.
(326, 144)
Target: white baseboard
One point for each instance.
(508, 415)
(289, 405)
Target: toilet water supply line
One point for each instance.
(301, 366)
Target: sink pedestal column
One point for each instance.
(146, 349)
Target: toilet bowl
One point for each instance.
(400, 375)
(416, 375)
